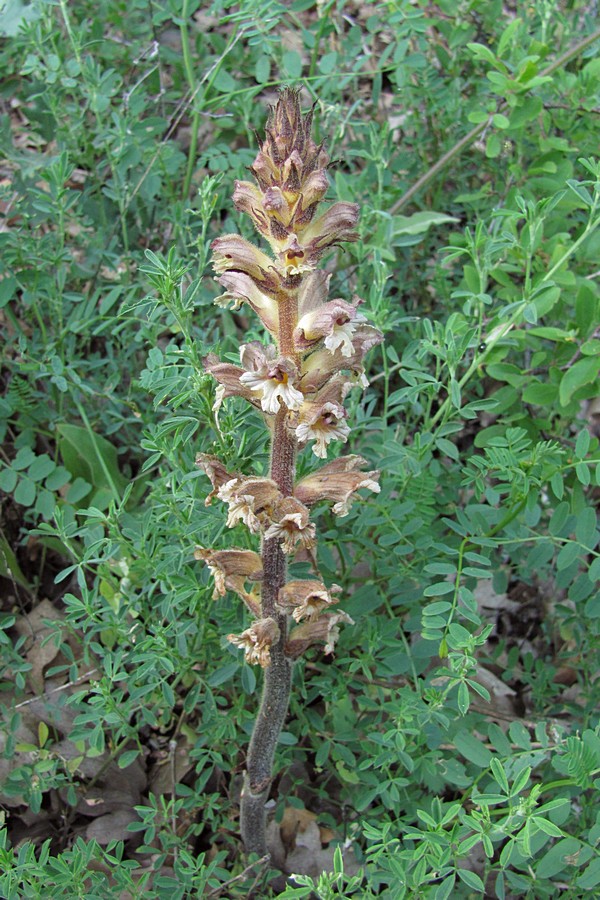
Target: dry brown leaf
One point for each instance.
(112, 827)
(40, 652)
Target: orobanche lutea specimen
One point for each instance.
(299, 383)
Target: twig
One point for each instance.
(262, 862)
(63, 687)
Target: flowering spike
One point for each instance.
(298, 382)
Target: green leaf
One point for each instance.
(8, 480)
(559, 858)
(480, 51)
(499, 740)
(590, 877)
(262, 69)
(583, 474)
(23, 459)
(582, 444)
(25, 492)
(57, 478)
(125, 759)
(499, 774)
(583, 372)
(507, 36)
(455, 394)
(90, 456)
(223, 674)
(419, 222)
(463, 699)
(9, 567)
(291, 62)
(471, 879)
(447, 448)
(581, 191)
(569, 553)
(519, 735)
(248, 679)
(15, 14)
(500, 121)
(493, 146)
(77, 491)
(521, 781)
(594, 570)
(558, 485)
(585, 529)
(559, 518)
(436, 608)
(328, 63)
(8, 285)
(472, 749)
(547, 827)
(41, 467)
(437, 590)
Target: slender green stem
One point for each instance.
(191, 80)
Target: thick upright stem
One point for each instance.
(277, 679)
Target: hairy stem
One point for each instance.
(277, 680)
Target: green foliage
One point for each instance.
(472, 577)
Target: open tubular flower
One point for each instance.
(338, 480)
(230, 570)
(325, 629)
(250, 500)
(292, 526)
(272, 379)
(256, 641)
(306, 599)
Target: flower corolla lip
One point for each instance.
(320, 365)
(332, 227)
(228, 376)
(216, 471)
(322, 420)
(242, 288)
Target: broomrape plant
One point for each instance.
(299, 383)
